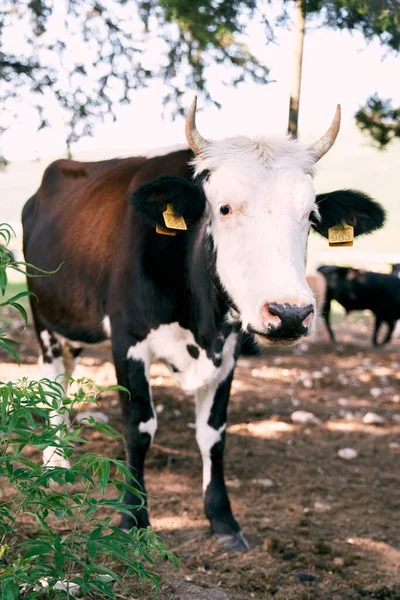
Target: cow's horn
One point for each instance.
(196, 142)
(326, 142)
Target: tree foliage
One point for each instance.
(374, 18)
(80, 59)
(380, 120)
(88, 56)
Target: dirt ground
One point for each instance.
(319, 526)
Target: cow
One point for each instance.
(356, 289)
(248, 206)
(396, 269)
(396, 272)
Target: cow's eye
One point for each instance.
(225, 210)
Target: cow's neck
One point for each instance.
(180, 273)
(211, 308)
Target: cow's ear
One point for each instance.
(151, 199)
(353, 207)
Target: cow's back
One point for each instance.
(74, 201)
(367, 290)
(382, 290)
(75, 219)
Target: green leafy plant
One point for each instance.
(57, 534)
(8, 262)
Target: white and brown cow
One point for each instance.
(249, 205)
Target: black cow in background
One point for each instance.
(360, 290)
(396, 269)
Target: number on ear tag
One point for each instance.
(171, 219)
(341, 235)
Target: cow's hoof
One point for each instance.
(232, 542)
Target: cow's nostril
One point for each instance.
(272, 310)
(309, 319)
(269, 316)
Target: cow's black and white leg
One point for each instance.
(71, 355)
(140, 423)
(53, 368)
(211, 416)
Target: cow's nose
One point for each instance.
(286, 320)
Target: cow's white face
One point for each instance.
(260, 197)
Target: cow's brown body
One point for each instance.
(80, 212)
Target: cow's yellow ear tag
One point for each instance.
(171, 219)
(341, 235)
(164, 231)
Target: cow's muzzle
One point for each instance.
(284, 323)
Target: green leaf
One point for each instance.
(17, 297)
(7, 229)
(10, 591)
(21, 310)
(104, 474)
(107, 522)
(3, 280)
(41, 271)
(39, 550)
(108, 430)
(105, 578)
(59, 559)
(89, 512)
(92, 549)
(57, 544)
(109, 572)
(6, 346)
(96, 533)
(105, 590)
(69, 476)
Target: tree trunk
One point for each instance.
(299, 30)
